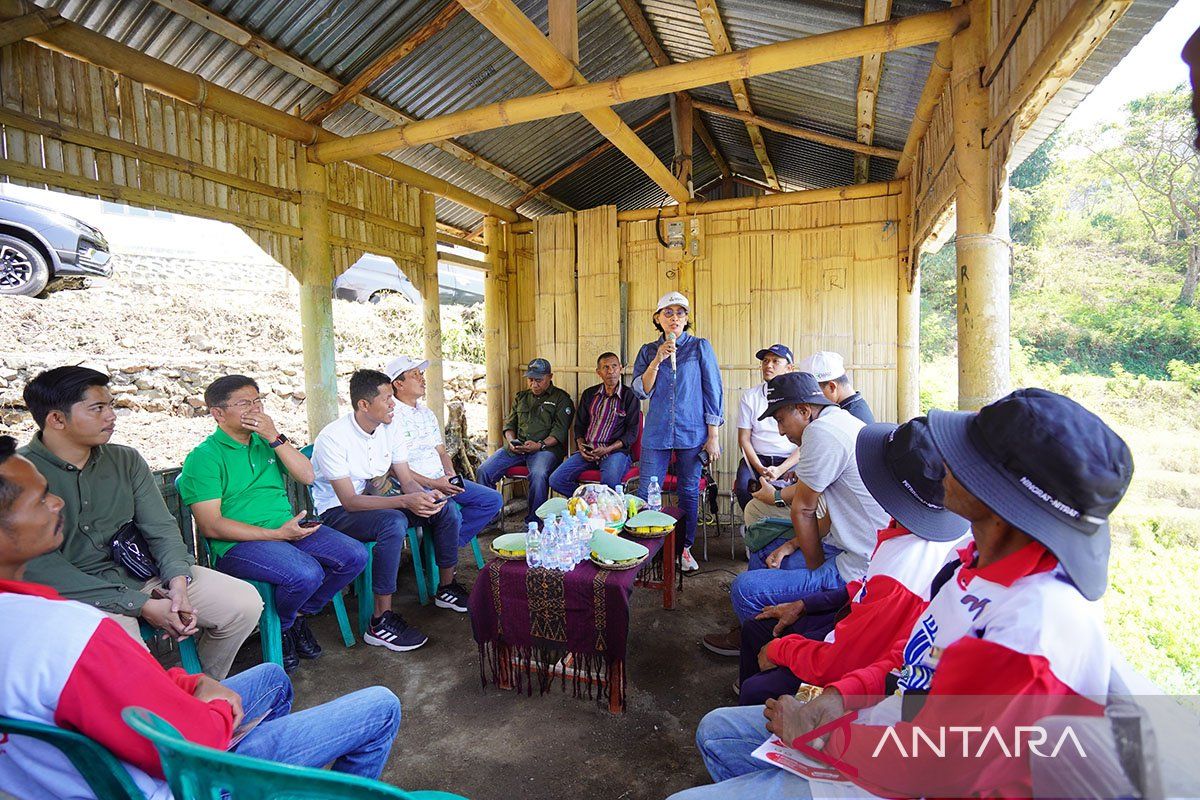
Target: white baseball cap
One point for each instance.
(824, 366)
(672, 299)
(397, 366)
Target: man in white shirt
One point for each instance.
(766, 453)
(365, 489)
(428, 460)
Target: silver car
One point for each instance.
(372, 277)
(39, 244)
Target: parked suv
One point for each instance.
(39, 244)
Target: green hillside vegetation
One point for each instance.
(1104, 311)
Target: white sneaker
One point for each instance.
(689, 563)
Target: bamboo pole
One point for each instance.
(522, 37)
(475, 263)
(458, 241)
(563, 21)
(908, 319)
(868, 89)
(316, 298)
(818, 49)
(77, 41)
(682, 116)
(435, 395)
(797, 131)
(983, 249)
(931, 95)
(495, 320)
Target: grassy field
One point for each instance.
(1152, 607)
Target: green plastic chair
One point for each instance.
(195, 772)
(188, 657)
(106, 776)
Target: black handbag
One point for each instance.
(129, 549)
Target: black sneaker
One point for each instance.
(391, 631)
(452, 596)
(305, 641)
(290, 659)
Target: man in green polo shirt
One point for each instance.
(535, 435)
(234, 482)
(104, 487)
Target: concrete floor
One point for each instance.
(489, 743)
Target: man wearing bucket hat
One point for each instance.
(830, 371)
(1009, 639)
(535, 435)
(766, 453)
(903, 471)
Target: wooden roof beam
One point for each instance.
(711, 16)
(822, 48)
(26, 25)
(798, 132)
(868, 89)
(519, 34)
(641, 26)
(379, 66)
(256, 45)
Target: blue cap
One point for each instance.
(781, 350)
(538, 368)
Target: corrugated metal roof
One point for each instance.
(465, 66)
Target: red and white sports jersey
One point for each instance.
(998, 647)
(882, 609)
(66, 664)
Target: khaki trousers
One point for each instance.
(227, 609)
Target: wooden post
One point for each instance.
(495, 320)
(564, 28)
(316, 297)
(435, 380)
(681, 126)
(982, 245)
(908, 317)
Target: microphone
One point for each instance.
(671, 337)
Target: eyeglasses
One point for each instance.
(242, 405)
(669, 314)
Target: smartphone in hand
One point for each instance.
(457, 480)
(311, 522)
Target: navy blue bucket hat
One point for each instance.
(1048, 467)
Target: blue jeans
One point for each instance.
(388, 528)
(306, 573)
(687, 471)
(478, 506)
(726, 737)
(565, 479)
(760, 586)
(355, 731)
(540, 465)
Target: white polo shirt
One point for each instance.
(344, 450)
(419, 428)
(765, 438)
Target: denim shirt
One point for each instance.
(684, 401)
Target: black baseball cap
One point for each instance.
(537, 368)
(793, 388)
(1048, 467)
(781, 350)
(903, 471)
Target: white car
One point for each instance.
(372, 277)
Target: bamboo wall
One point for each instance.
(820, 276)
(72, 126)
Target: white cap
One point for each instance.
(403, 364)
(672, 299)
(823, 365)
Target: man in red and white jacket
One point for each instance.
(902, 469)
(67, 664)
(1011, 638)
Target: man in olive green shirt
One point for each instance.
(103, 487)
(234, 482)
(535, 435)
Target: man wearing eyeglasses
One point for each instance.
(235, 483)
(104, 488)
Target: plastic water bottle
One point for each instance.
(654, 495)
(552, 546)
(533, 546)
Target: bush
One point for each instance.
(1185, 373)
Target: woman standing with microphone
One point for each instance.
(678, 374)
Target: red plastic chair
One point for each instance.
(631, 474)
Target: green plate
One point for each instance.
(621, 552)
(651, 519)
(510, 541)
(555, 505)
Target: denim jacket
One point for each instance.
(684, 401)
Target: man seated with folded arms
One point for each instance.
(606, 426)
(105, 488)
(766, 453)
(428, 461)
(830, 371)
(234, 483)
(67, 664)
(903, 471)
(365, 489)
(1011, 637)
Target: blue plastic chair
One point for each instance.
(99, 768)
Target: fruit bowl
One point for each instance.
(613, 510)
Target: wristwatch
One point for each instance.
(279, 440)
(779, 498)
